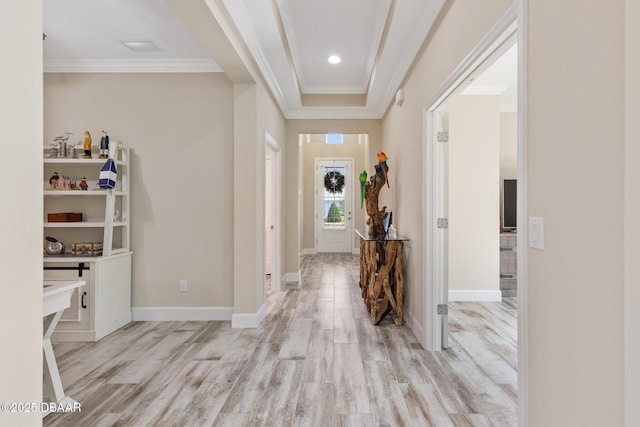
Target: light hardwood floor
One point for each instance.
(317, 361)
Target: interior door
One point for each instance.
(268, 210)
(334, 225)
(441, 256)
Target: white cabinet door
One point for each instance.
(78, 315)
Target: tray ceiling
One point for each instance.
(290, 41)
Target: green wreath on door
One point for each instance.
(334, 182)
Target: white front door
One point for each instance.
(334, 229)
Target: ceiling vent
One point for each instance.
(141, 45)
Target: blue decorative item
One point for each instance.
(108, 175)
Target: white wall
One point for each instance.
(474, 203)
(21, 211)
(180, 130)
(575, 161)
(508, 145)
(632, 213)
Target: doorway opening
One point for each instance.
(437, 225)
(273, 213)
(330, 164)
(474, 178)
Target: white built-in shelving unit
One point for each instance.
(104, 303)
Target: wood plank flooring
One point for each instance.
(317, 361)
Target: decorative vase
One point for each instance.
(53, 247)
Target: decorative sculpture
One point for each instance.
(382, 161)
(104, 145)
(52, 246)
(371, 193)
(363, 182)
(381, 258)
(87, 145)
(108, 175)
(62, 141)
(53, 180)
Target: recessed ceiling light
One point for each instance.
(334, 59)
(140, 45)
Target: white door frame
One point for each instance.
(498, 40)
(511, 27)
(316, 219)
(276, 252)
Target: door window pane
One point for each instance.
(334, 200)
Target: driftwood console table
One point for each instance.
(382, 276)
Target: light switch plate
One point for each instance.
(536, 232)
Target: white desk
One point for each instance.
(56, 298)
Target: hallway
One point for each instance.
(316, 362)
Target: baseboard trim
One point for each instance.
(160, 314)
(291, 277)
(355, 251)
(309, 251)
(415, 327)
(475, 295)
(248, 320)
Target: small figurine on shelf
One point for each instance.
(104, 145)
(53, 150)
(52, 246)
(53, 181)
(62, 140)
(71, 151)
(61, 184)
(87, 145)
(83, 184)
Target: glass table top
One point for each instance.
(365, 236)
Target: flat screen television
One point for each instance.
(509, 204)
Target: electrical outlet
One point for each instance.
(183, 285)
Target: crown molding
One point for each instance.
(429, 14)
(485, 90)
(242, 22)
(203, 65)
